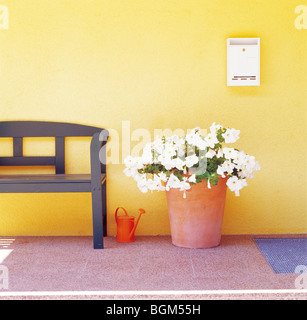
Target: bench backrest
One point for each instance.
(20, 129)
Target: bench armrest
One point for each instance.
(98, 156)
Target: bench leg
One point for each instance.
(97, 207)
(104, 207)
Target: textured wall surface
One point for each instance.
(158, 64)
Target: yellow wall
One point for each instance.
(159, 64)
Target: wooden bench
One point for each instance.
(59, 181)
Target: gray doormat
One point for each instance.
(283, 254)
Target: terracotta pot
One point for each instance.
(196, 221)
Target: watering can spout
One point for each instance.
(141, 211)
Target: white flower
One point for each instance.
(257, 166)
(141, 182)
(178, 163)
(158, 145)
(162, 176)
(184, 185)
(129, 162)
(190, 138)
(147, 156)
(244, 174)
(219, 154)
(220, 170)
(165, 161)
(133, 162)
(192, 178)
(170, 150)
(151, 184)
(168, 166)
(202, 144)
(210, 154)
(173, 182)
(143, 188)
(209, 186)
(230, 153)
(174, 139)
(211, 140)
(227, 166)
(235, 184)
(214, 127)
(196, 130)
(140, 178)
(249, 165)
(239, 158)
(138, 163)
(180, 151)
(191, 160)
(130, 172)
(158, 182)
(231, 135)
(193, 138)
(250, 162)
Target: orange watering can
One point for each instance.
(126, 226)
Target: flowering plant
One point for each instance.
(176, 162)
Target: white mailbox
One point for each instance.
(243, 62)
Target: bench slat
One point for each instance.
(27, 161)
(45, 129)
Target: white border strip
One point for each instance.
(152, 293)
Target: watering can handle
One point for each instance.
(117, 211)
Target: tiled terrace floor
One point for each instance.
(69, 264)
